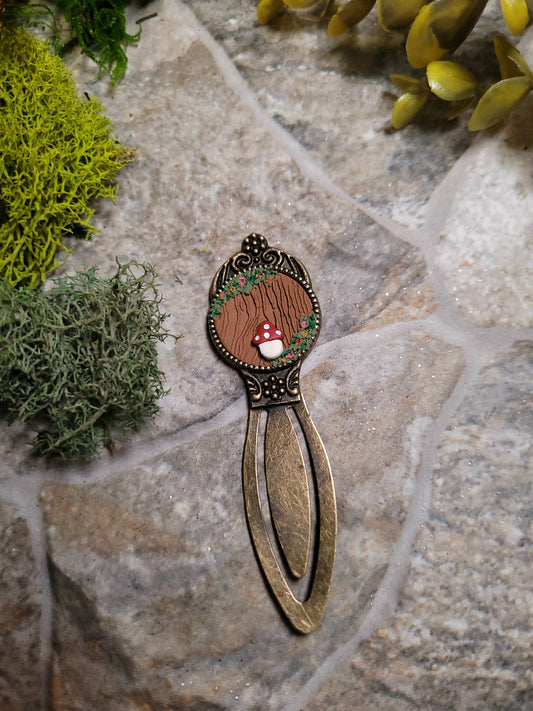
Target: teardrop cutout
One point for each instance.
(288, 490)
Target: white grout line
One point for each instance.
(439, 205)
(144, 451)
(99, 470)
(481, 340)
(442, 199)
(478, 341)
(23, 492)
(477, 345)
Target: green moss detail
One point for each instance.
(81, 356)
(56, 157)
(300, 342)
(242, 284)
(100, 28)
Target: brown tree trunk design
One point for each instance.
(283, 303)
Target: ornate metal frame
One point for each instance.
(263, 387)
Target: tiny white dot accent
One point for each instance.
(267, 326)
(278, 333)
(267, 335)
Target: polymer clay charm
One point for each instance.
(263, 319)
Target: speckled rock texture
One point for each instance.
(461, 635)
(20, 615)
(130, 583)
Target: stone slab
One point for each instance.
(485, 249)
(334, 97)
(461, 637)
(20, 615)
(199, 185)
(188, 615)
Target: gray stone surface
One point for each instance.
(20, 613)
(172, 113)
(157, 602)
(461, 638)
(335, 97)
(188, 603)
(485, 249)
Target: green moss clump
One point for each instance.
(81, 356)
(100, 28)
(56, 156)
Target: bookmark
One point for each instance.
(263, 319)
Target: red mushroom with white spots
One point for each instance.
(268, 338)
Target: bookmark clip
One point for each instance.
(263, 319)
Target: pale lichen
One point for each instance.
(81, 356)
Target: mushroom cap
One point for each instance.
(266, 331)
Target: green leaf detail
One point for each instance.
(457, 107)
(516, 15)
(301, 341)
(511, 62)
(498, 102)
(393, 14)
(349, 15)
(409, 84)
(406, 108)
(268, 9)
(439, 28)
(242, 283)
(450, 81)
(100, 28)
(300, 4)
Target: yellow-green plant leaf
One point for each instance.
(498, 102)
(268, 9)
(406, 108)
(393, 14)
(450, 81)
(299, 4)
(511, 62)
(515, 14)
(439, 28)
(409, 85)
(422, 45)
(457, 107)
(349, 15)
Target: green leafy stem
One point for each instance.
(98, 26)
(455, 84)
(242, 283)
(300, 342)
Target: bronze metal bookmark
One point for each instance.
(263, 319)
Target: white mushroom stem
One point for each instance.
(271, 349)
